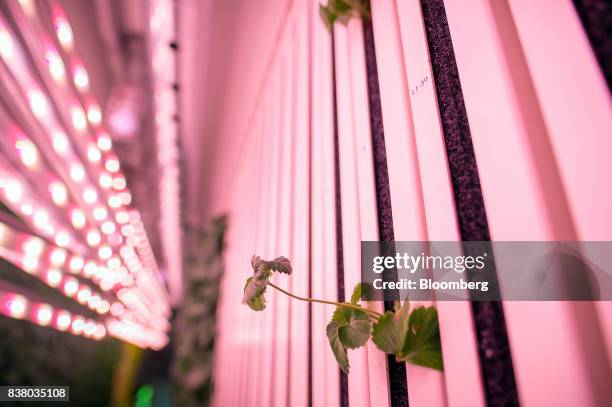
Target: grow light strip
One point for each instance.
(161, 26)
(18, 306)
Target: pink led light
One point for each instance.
(41, 218)
(117, 309)
(113, 263)
(71, 286)
(90, 269)
(93, 154)
(103, 307)
(105, 180)
(90, 328)
(62, 238)
(43, 315)
(60, 142)
(127, 230)
(106, 285)
(13, 191)
(108, 227)
(79, 121)
(90, 195)
(93, 238)
(94, 301)
(78, 219)
(78, 324)
(7, 48)
(100, 213)
(27, 152)
(122, 217)
(58, 257)
(112, 165)
(80, 77)
(77, 172)
(94, 115)
(38, 103)
(104, 142)
(64, 32)
(53, 277)
(29, 263)
(128, 253)
(114, 201)
(59, 194)
(63, 320)
(33, 246)
(83, 295)
(56, 66)
(76, 264)
(126, 198)
(100, 332)
(16, 306)
(105, 252)
(119, 183)
(28, 7)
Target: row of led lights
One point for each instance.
(47, 263)
(103, 143)
(17, 306)
(164, 73)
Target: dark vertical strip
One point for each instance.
(494, 351)
(398, 385)
(339, 247)
(596, 17)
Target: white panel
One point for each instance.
(300, 280)
(358, 195)
(523, 198)
(325, 374)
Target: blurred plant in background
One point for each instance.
(194, 332)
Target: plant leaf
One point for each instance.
(422, 343)
(254, 296)
(327, 15)
(354, 326)
(256, 285)
(391, 330)
(336, 346)
(280, 264)
(340, 6)
(356, 296)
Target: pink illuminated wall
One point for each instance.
(540, 120)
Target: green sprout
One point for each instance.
(413, 336)
(343, 10)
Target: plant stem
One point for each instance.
(339, 304)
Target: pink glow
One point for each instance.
(64, 32)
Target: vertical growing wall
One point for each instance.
(435, 120)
